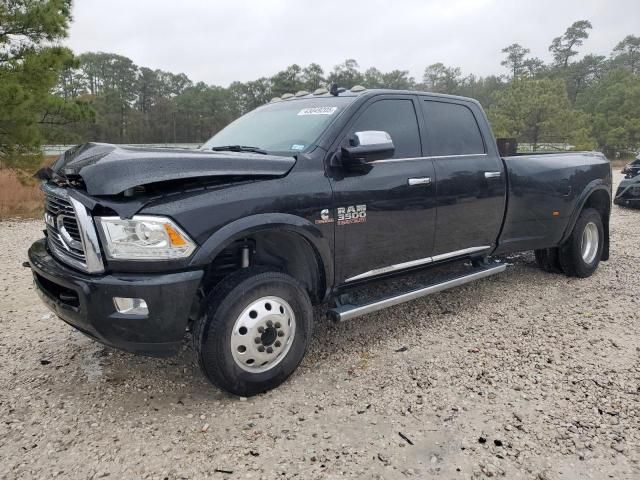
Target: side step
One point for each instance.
(342, 313)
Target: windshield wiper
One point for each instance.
(238, 148)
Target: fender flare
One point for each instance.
(592, 187)
(252, 224)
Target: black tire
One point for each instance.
(548, 259)
(212, 333)
(570, 254)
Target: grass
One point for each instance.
(19, 198)
(20, 194)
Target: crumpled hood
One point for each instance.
(109, 169)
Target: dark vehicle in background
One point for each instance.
(628, 193)
(632, 169)
(299, 203)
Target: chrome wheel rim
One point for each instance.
(590, 241)
(263, 334)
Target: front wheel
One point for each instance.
(580, 255)
(255, 332)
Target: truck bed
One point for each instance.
(543, 190)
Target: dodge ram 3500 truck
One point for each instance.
(294, 205)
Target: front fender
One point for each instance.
(266, 221)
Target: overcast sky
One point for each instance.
(219, 41)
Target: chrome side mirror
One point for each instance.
(367, 146)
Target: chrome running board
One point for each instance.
(342, 313)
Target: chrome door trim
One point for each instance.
(460, 156)
(459, 253)
(416, 263)
(390, 268)
(419, 181)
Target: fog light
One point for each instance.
(131, 306)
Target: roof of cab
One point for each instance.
(358, 91)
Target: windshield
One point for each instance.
(283, 128)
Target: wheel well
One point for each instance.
(600, 201)
(284, 251)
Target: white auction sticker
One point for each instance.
(318, 111)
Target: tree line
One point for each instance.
(49, 95)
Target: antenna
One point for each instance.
(334, 90)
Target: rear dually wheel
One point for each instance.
(580, 255)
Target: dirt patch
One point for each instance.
(523, 375)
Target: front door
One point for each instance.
(385, 216)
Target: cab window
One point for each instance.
(397, 117)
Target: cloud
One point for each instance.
(225, 40)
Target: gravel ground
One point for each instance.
(522, 375)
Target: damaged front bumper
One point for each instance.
(86, 302)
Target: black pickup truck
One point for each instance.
(296, 204)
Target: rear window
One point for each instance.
(451, 129)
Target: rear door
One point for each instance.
(470, 185)
(385, 216)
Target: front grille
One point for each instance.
(71, 234)
(63, 232)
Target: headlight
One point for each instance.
(144, 238)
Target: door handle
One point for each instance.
(492, 174)
(419, 181)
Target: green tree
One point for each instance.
(142, 105)
(533, 66)
(113, 81)
(581, 74)
(72, 82)
(626, 54)
(149, 90)
(483, 89)
(538, 111)
(613, 104)
(372, 78)
(442, 79)
(346, 74)
(564, 47)
(29, 69)
(313, 77)
(398, 80)
(250, 95)
(289, 80)
(203, 110)
(514, 60)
